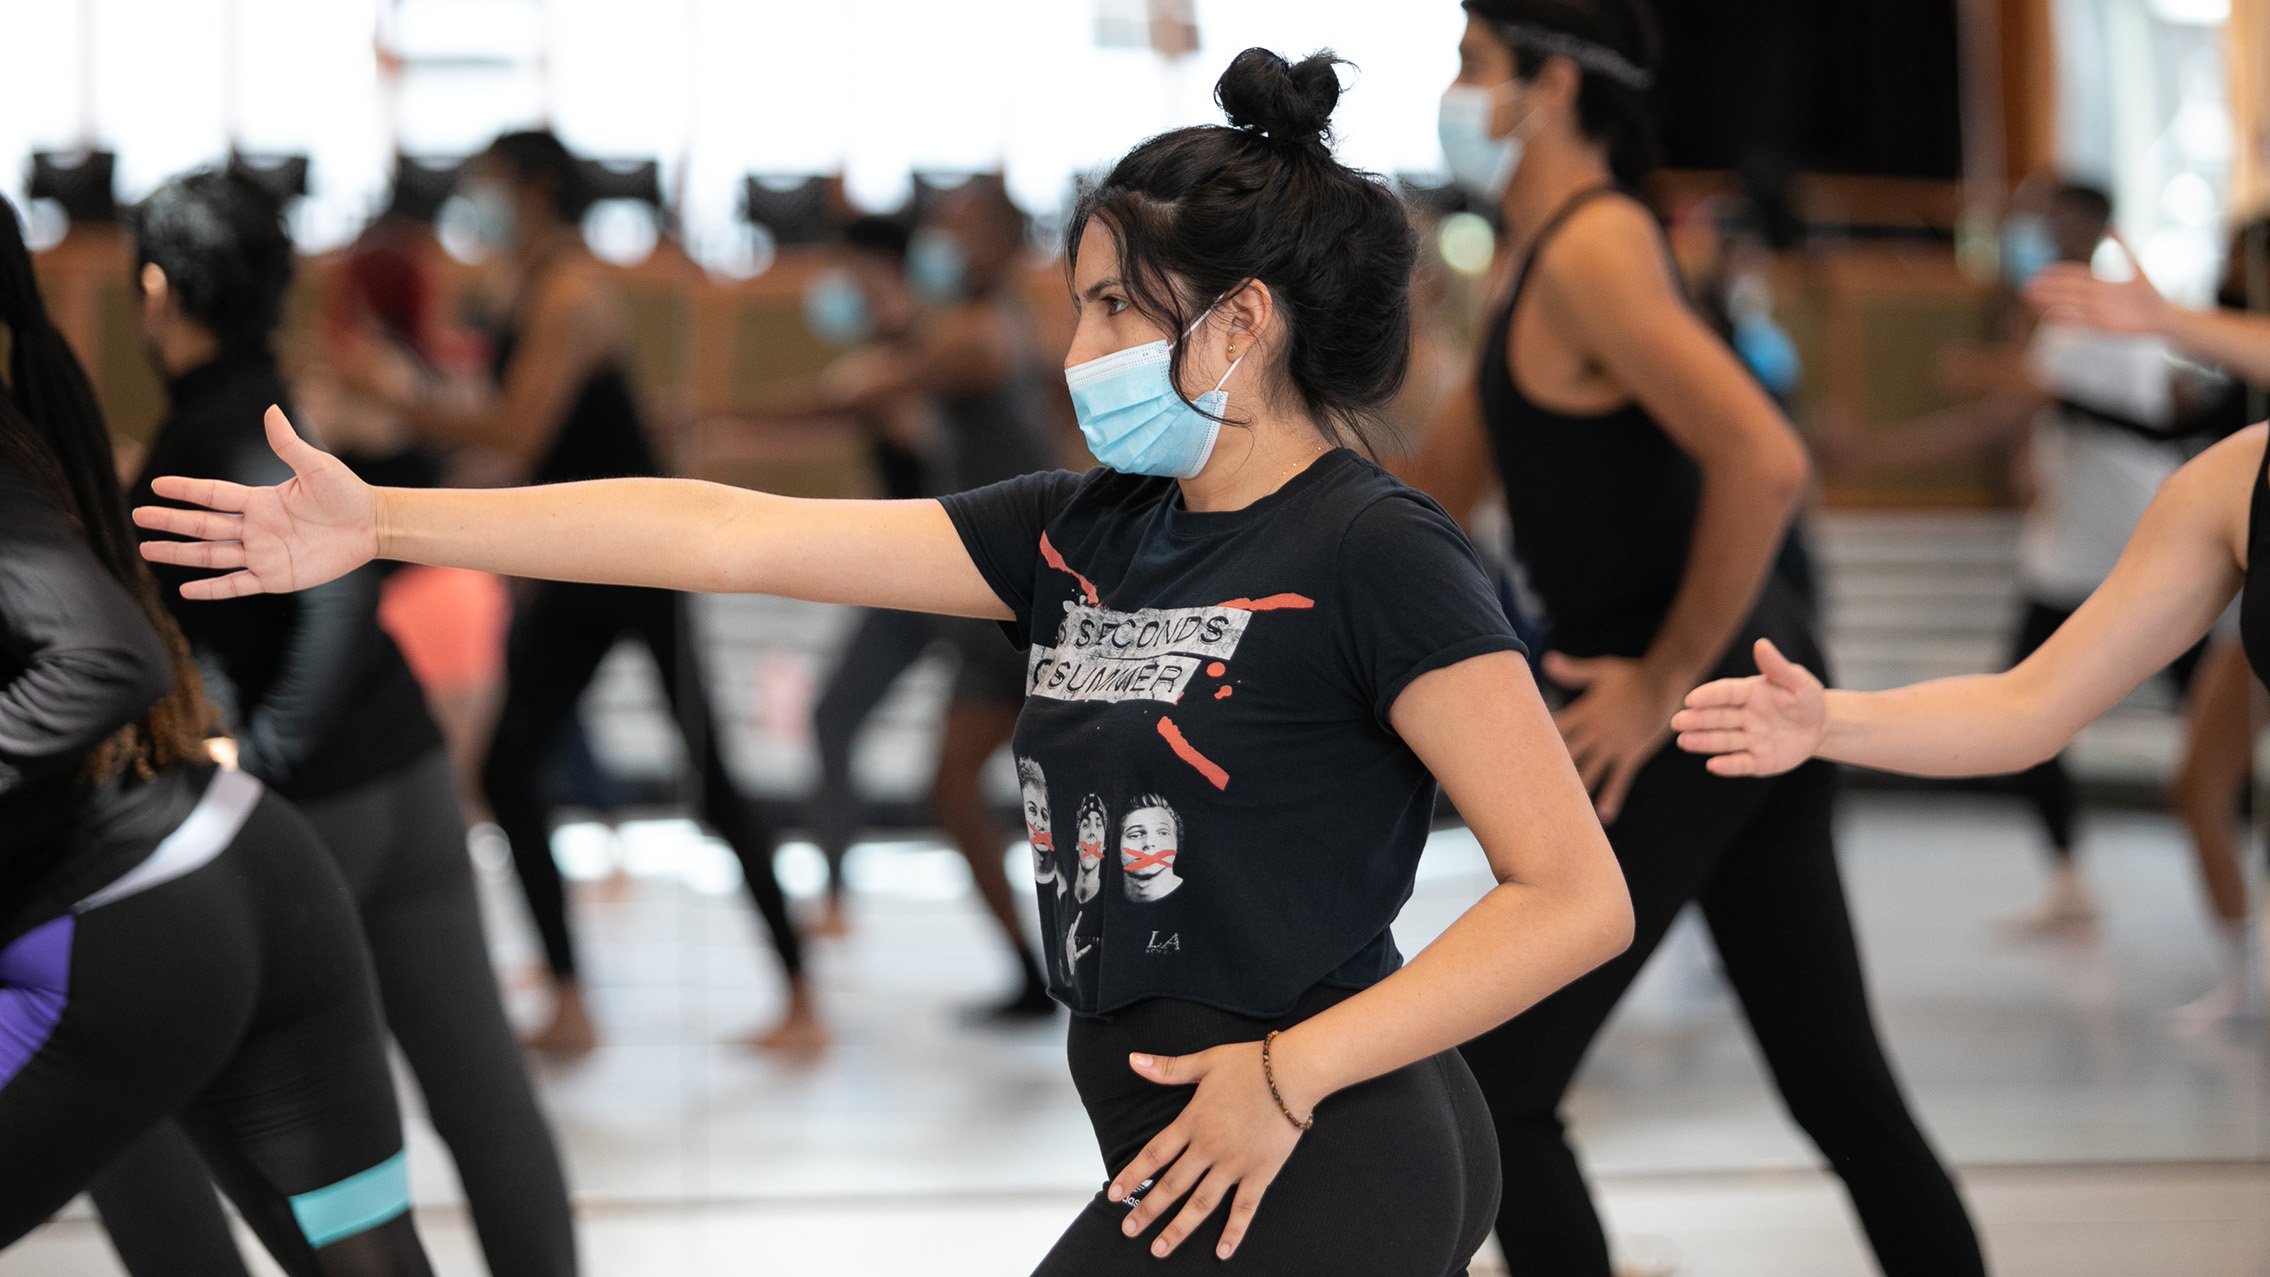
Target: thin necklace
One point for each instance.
(1306, 462)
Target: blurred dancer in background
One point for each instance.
(2094, 423)
(973, 355)
(174, 943)
(323, 709)
(1650, 481)
(862, 305)
(563, 404)
(2232, 341)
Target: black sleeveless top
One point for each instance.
(2254, 599)
(1603, 507)
(602, 436)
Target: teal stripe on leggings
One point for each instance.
(355, 1204)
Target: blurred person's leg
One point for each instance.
(402, 847)
(2048, 788)
(1677, 824)
(232, 993)
(883, 646)
(164, 1217)
(558, 639)
(2208, 792)
(1777, 914)
(669, 634)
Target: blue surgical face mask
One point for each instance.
(937, 268)
(836, 309)
(1761, 342)
(1132, 418)
(1480, 163)
(2027, 247)
(494, 221)
(1765, 348)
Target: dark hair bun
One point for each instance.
(1287, 102)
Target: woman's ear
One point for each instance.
(1556, 86)
(1251, 310)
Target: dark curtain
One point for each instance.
(1864, 87)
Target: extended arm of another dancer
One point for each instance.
(2181, 568)
(574, 323)
(1559, 908)
(2236, 340)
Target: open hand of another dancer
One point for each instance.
(316, 526)
(2070, 293)
(1762, 725)
(1231, 1138)
(1620, 721)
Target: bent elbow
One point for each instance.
(1613, 923)
(1619, 926)
(1787, 472)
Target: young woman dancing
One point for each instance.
(1650, 484)
(1254, 651)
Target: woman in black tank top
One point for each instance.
(564, 405)
(1650, 483)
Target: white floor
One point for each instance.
(2090, 1139)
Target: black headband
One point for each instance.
(1506, 17)
(1596, 58)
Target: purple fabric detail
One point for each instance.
(35, 981)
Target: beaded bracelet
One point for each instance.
(1269, 1075)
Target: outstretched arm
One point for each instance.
(676, 534)
(2231, 339)
(2179, 571)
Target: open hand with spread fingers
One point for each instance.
(2072, 293)
(1228, 1144)
(317, 526)
(1762, 725)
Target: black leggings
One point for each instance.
(883, 645)
(230, 992)
(1758, 856)
(558, 639)
(2048, 786)
(1398, 1178)
(400, 842)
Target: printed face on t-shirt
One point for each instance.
(1032, 792)
(1149, 840)
(1090, 832)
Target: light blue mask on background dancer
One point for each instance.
(1132, 418)
(836, 309)
(1482, 164)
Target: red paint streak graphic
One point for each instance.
(1207, 767)
(1221, 693)
(1041, 839)
(1133, 861)
(1090, 851)
(1049, 556)
(1216, 670)
(1274, 603)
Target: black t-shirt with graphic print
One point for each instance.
(1218, 809)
